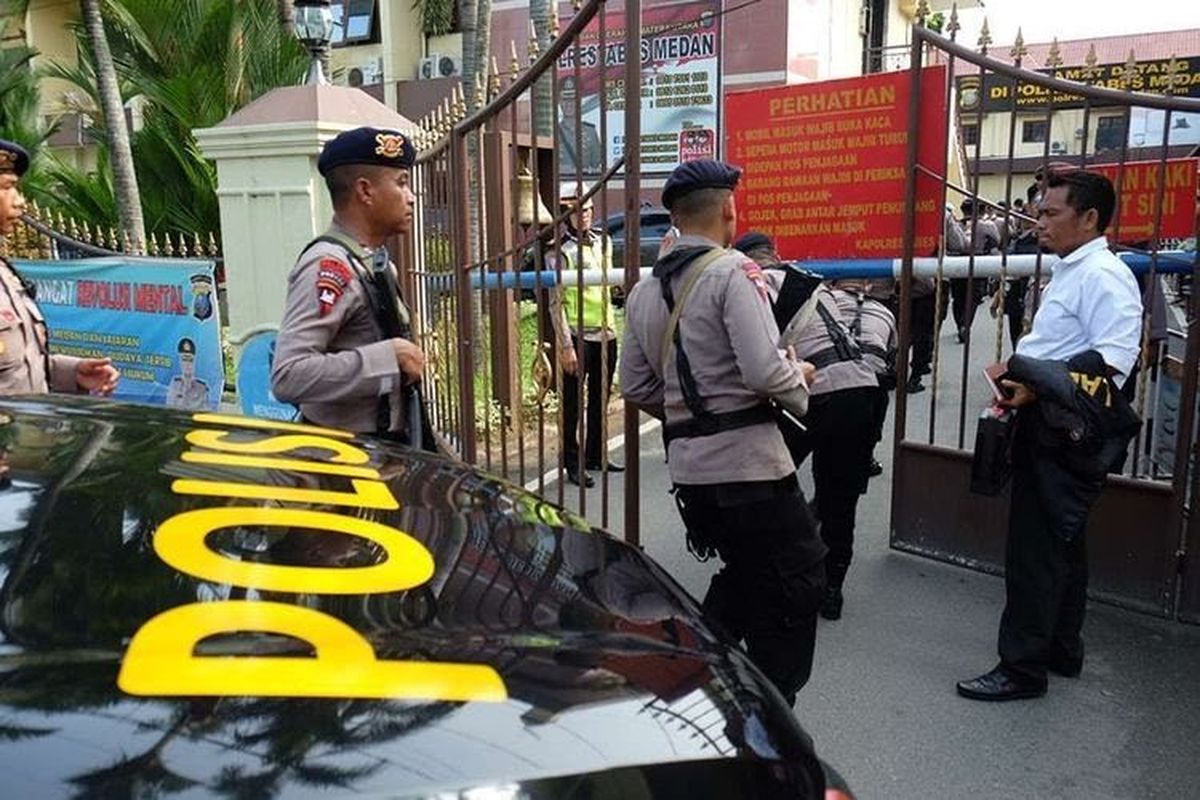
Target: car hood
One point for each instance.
(207, 606)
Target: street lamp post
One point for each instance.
(314, 28)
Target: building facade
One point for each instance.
(1060, 127)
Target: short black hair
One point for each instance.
(1086, 190)
(700, 204)
(340, 180)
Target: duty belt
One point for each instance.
(713, 423)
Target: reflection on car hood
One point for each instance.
(151, 643)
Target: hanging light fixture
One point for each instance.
(314, 29)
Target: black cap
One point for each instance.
(14, 159)
(753, 240)
(379, 146)
(187, 346)
(694, 175)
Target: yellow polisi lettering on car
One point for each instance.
(270, 425)
(365, 494)
(289, 464)
(343, 452)
(161, 660)
(179, 541)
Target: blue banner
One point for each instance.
(157, 319)
(254, 379)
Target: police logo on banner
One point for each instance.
(202, 301)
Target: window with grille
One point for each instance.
(355, 21)
(1034, 130)
(1110, 133)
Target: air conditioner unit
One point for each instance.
(1058, 148)
(439, 65)
(365, 74)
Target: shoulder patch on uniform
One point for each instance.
(333, 277)
(754, 272)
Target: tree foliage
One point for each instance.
(182, 65)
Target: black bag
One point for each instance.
(991, 467)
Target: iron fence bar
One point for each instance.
(514, 169)
(516, 259)
(1006, 233)
(491, 338)
(605, 243)
(538, 294)
(461, 221)
(910, 241)
(1188, 539)
(580, 431)
(969, 305)
(560, 219)
(936, 322)
(633, 204)
(1151, 277)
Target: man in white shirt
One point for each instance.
(1091, 303)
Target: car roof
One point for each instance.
(210, 602)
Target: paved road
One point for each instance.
(881, 705)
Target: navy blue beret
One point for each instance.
(753, 240)
(13, 158)
(378, 146)
(703, 174)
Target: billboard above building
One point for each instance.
(997, 93)
(680, 56)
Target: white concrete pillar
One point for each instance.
(272, 199)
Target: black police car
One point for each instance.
(200, 605)
(654, 224)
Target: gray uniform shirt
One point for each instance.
(331, 357)
(815, 338)
(730, 339)
(876, 325)
(25, 365)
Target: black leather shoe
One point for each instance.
(914, 385)
(876, 469)
(831, 604)
(595, 465)
(574, 477)
(999, 685)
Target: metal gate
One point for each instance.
(1143, 529)
(486, 261)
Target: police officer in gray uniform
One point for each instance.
(839, 429)
(343, 354)
(864, 308)
(701, 351)
(26, 364)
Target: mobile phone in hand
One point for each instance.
(993, 375)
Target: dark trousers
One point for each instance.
(772, 579)
(1014, 308)
(924, 311)
(882, 399)
(965, 302)
(841, 437)
(598, 376)
(1045, 578)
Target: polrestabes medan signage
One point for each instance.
(680, 57)
(1140, 184)
(1179, 77)
(824, 164)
